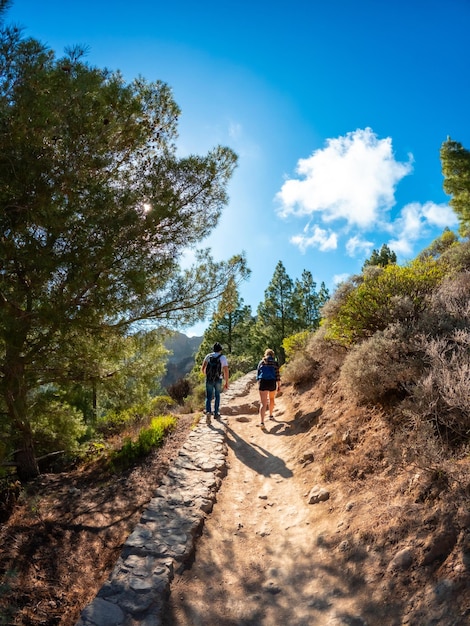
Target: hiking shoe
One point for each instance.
(271, 417)
(260, 425)
(217, 416)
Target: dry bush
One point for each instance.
(458, 256)
(451, 301)
(416, 444)
(381, 367)
(180, 390)
(300, 370)
(442, 395)
(320, 357)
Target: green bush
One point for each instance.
(294, 344)
(372, 305)
(148, 439)
(321, 357)
(56, 425)
(114, 422)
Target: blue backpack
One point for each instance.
(267, 370)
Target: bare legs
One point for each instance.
(272, 396)
(263, 396)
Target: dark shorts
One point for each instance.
(267, 385)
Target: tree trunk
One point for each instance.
(15, 392)
(26, 464)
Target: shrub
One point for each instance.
(56, 425)
(319, 355)
(114, 421)
(294, 344)
(240, 364)
(383, 367)
(451, 301)
(371, 306)
(442, 395)
(195, 401)
(458, 256)
(148, 439)
(179, 390)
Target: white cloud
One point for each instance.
(340, 278)
(439, 215)
(322, 239)
(415, 221)
(356, 245)
(353, 178)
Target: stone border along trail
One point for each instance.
(164, 539)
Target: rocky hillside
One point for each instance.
(181, 360)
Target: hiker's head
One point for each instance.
(217, 347)
(268, 353)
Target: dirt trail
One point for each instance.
(260, 559)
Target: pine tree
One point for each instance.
(96, 210)
(276, 314)
(455, 161)
(381, 258)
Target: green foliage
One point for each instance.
(131, 374)
(382, 258)
(55, 424)
(455, 162)
(440, 245)
(115, 421)
(148, 439)
(375, 302)
(96, 210)
(275, 313)
(230, 326)
(295, 344)
(307, 303)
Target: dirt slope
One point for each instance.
(268, 557)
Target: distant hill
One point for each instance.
(181, 361)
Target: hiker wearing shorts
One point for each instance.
(269, 381)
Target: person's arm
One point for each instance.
(203, 366)
(226, 375)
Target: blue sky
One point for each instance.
(337, 110)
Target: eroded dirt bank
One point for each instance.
(267, 557)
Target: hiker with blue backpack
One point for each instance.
(215, 367)
(269, 381)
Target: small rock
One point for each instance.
(318, 494)
(402, 560)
